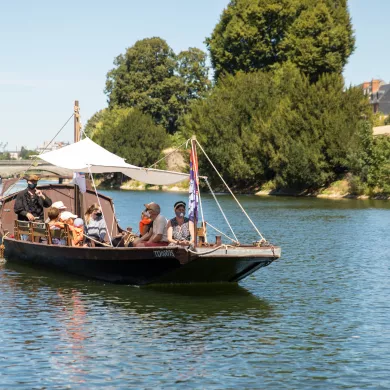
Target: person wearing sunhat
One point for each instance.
(29, 204)
(157, 235)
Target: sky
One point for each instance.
(53, 53)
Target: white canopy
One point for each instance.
(87, 156)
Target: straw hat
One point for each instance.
(31, 177)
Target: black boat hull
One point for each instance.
(137, 266)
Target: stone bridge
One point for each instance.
(9, 168)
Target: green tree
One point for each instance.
(150, 77)
(278, 126)
(3, 154)
(130, 134)
(317, 36)
(25, 154)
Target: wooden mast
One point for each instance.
(194, 169)
(77, 194)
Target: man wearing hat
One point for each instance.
(29, 204)
(157, 235)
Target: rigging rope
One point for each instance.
(36, 157)
(213, 227)
(224, 182)
(101, 208)
(166, 156)
(220, 208)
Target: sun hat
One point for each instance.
(31, 177)
(78, 222)
(59, 205)
(66, 215)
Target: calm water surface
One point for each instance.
(318, 318)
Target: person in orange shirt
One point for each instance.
(78, 232)
(74, 227)
(144, 223)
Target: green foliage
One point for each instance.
(387, 120)
(278, 126)
(128, 133)
(150, 77)
(25, 154)
(3, 154)
(317, 36)
(378, 119)
(379, 169)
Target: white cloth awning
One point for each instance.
(87, 156)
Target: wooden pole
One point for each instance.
(77, 196)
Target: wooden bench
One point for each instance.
(39, 232)
(60, 234)
(22, 228)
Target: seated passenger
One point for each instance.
(78, 232)
(157, 235)
(59, 205)
(52, 214)
(68, 218)
(55, 224)
(180, 229)
(145, 224)
(95, 227)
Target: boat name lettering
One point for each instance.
(166, 253)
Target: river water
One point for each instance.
(316, 319)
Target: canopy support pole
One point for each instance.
(78, 197)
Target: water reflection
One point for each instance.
(202, 300)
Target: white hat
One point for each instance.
(59, 205)
(66, 215)
(78, 222)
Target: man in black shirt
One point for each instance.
(29, 203)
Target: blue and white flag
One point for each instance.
(193, 191)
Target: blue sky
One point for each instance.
(52, 53)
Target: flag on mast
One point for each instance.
(194, 190)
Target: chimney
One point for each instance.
(375, 84)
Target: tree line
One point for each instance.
(276, 112)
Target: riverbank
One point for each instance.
(337, 190)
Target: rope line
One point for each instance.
(222, 212)
(36, 157)
(211, 251)
(224, 182)
(166, 156)
(101, 208)
(213, 227)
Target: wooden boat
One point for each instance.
(135, 266)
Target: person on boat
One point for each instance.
(145, 224)
(29, 204)
(157, 235)
(59, 206)
(55, 224)
(180, 229)
(78, 232)
(53, 217)
(76, 228)
(95, 227)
